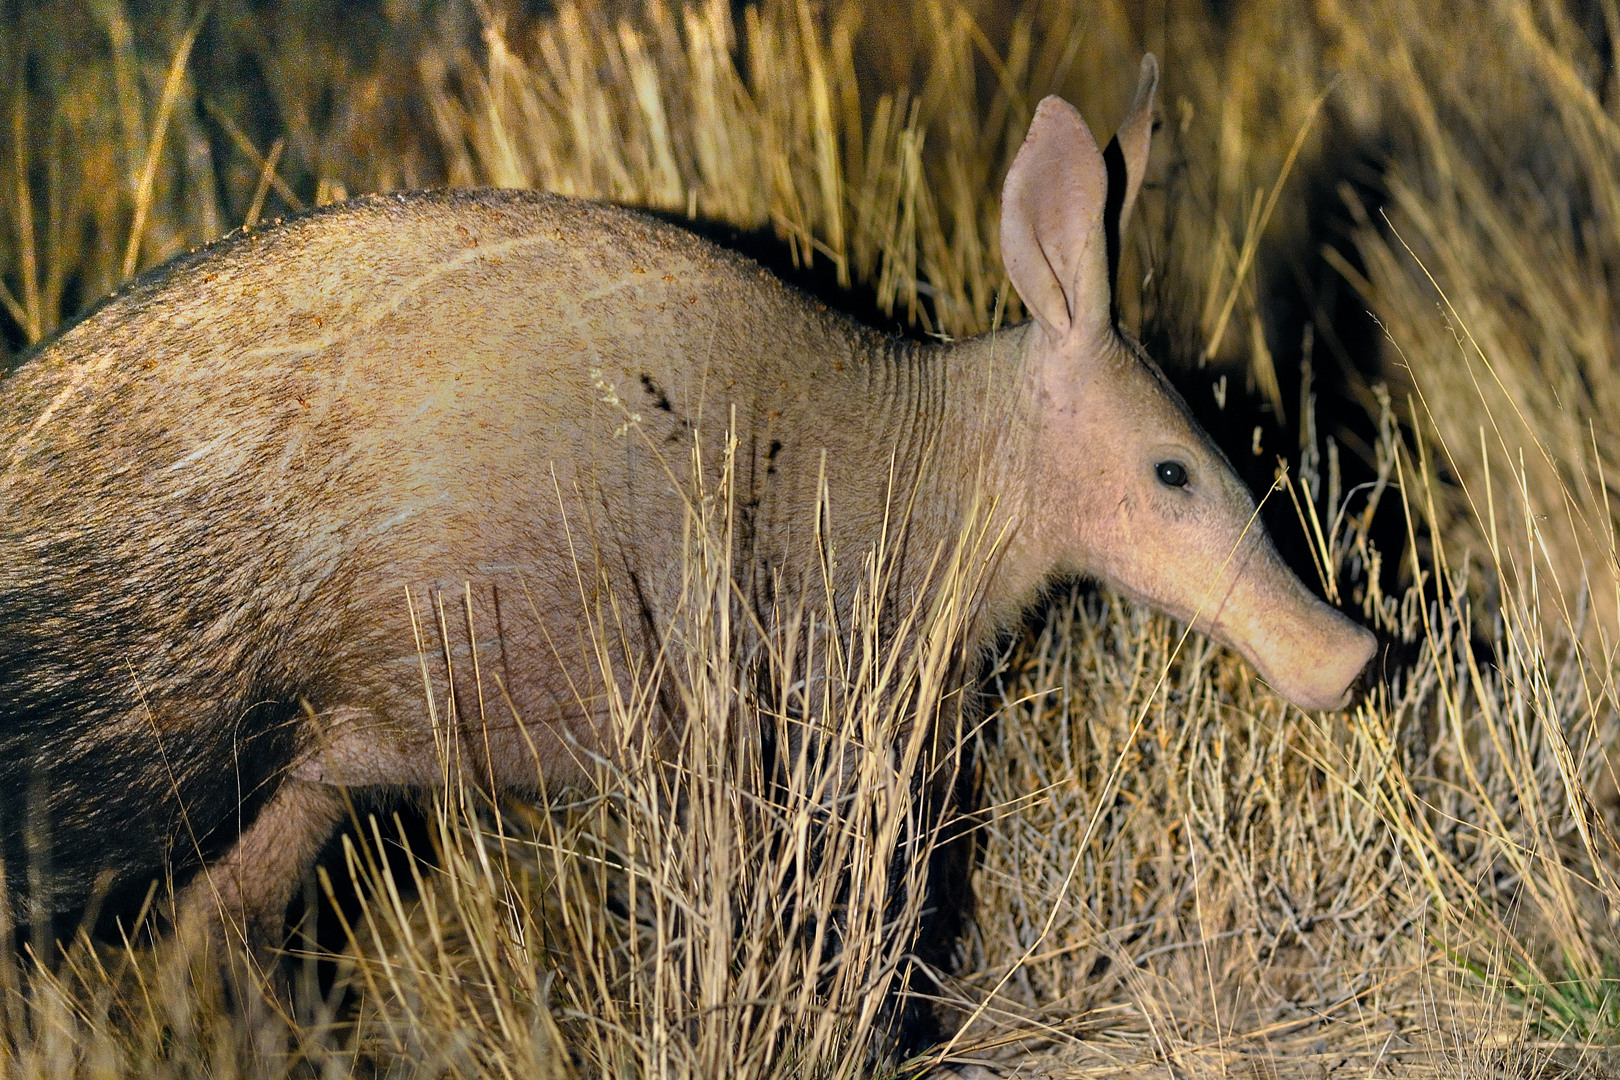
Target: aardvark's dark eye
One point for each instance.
(1171, 473)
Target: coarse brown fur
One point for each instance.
(251, 496)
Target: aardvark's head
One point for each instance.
(1129, 489)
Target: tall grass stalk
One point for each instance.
(722, 898)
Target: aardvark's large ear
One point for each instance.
(1133, 138)
(1052, 238)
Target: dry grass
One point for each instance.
(1182, 875)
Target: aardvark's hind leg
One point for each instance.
(243, 897)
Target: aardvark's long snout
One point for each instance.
(1306, 651)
